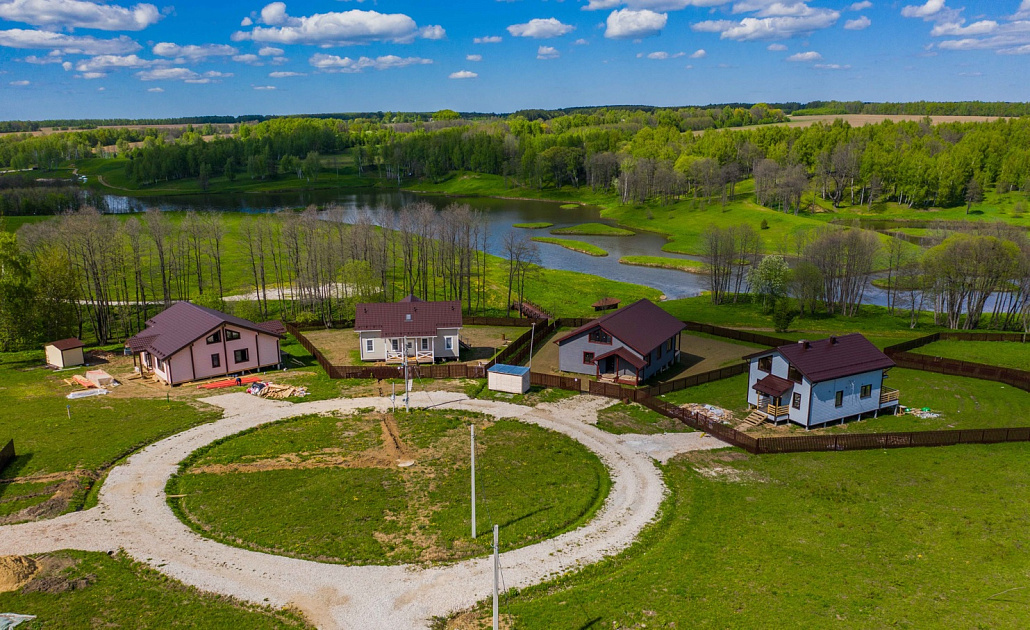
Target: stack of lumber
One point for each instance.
(246, 380)
(279, 392)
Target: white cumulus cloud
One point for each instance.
(334, 63)
(193, 52)
(250, 58)
(264, 87)
(700, 53)
(547, 52)
(67, 44)
(103, 63)
(860, 6)
(156, 90)
(956, 29)
(540, 28)
(21, 83)
(805, 56)
(830, 66)
(432, 32)
(927, 10)
(333, 28)
(654, 5)
(751, 28)
(858, 24)
(270, 51)
(490, 39)
(462, 74)
(473, 57)
(630, 24)
(284, 75)
(71, 14)
(776, 47)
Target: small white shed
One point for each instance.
(65, 353)
(513, 379)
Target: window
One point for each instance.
(588, 357)
(241, 356)
(765, 364)
(395, 344)
(867, 391)
(231, 335)
(794, 374)
(838, 399)
(425, 343)
(599, 336)
(407, 317)
(370, 345)
(216, 360)
(795, 401)
(448, 342)
(647, 359)
(215, 338)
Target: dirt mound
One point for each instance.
(15, 572)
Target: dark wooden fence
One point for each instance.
(697, 379)
(738, 335)
(901, 355)
(7, 455)
(557, 382)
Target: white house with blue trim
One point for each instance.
(817, 383)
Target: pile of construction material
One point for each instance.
(278, 392)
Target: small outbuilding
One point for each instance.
(513, 379)
(65, 353)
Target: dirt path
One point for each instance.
(133, 514)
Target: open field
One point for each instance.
(64, 446)
(75, 589)
(343, 497)
(623, 418)
(576, 246)
(962, 403)
(909, 538)
(1009, 354)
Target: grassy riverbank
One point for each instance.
(664, 262)
(576, 246)
(593, 229)
(532, 226)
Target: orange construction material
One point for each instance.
(229, 382)
(83, 381)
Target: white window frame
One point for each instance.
(370, 345)
(395, 344)
(448, 343)
(425, 344)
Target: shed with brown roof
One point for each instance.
(65, 353)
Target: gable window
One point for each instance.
(370, 345)
(241, 356)
(216, 337)
(231, 335)
(795, 401)
(588, 357)
(794, 374)
(867, 391)
(216, 360)
(599, 336)
(838, 399)
(448, 343)
(765, 364)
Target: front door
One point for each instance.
(609, 365)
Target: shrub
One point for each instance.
(783, 315)
(307, 317)
(765, 224)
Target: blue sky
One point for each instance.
(85, 59)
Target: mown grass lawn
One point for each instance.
(93, 590)
(361, 508)
(910, 538)
(1010, 354)
(622, 418)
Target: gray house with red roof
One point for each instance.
(816, 383)
(186, 342)
(422, 331)
(629, 345)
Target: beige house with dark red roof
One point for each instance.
(816, 383)
(421, 331)
(186, 342)
(629, 345)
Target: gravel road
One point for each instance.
(133, 514)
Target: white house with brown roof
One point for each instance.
(629, 345)
(815, 383)
(65, 353)
(418, 330)
(186, 342)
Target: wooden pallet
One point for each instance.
(755, 418)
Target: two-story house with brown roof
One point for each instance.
(816, 383)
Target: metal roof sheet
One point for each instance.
(833, 357)
(181, 324)
(516, 370)
(410, 317)
(642, 326)
(67, 344)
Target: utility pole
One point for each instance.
(407, 383)
(472, 430)
(497, 573)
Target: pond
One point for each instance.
(500, 215)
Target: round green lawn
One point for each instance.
(328, 488)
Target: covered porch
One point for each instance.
(415, 349)
(773, 394)
(619, 366)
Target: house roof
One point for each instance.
(833, 357)
(773, 385)
(642, 326)
(514, 370)
(67, 344)
(274, 327)
(623, 354)
(409, 317)
(181, 324)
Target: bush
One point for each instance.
(307, 317)
(783, 315)
(765, 224)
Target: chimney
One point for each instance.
(804, 344)
(833, 340)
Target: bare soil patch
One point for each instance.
(701, 354)
(15, 572)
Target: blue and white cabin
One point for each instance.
(816, 383)
(629, 345)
